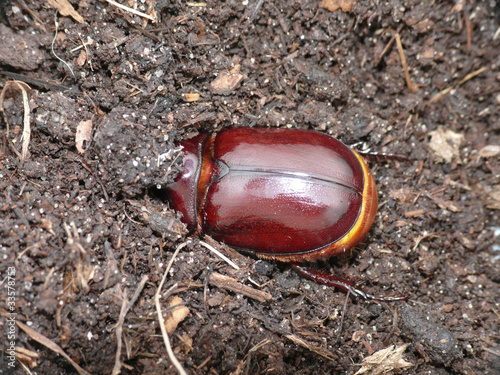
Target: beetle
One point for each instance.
(290, 195)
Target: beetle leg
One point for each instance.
(344, 284)
(378, 156)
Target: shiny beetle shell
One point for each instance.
(285, 194)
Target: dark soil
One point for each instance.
(80, 230)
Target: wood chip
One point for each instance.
(414, 213)
(227, 82)
(445, 205)
(192, 97)
(333, 5)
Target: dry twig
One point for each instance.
(388, 45)
(409, 83)
(220, 255)
(226, 259)
(133, 11)
(305, 344)
(38, 337)
(468, 30)
(445, 91)
(161, 321)
(234, 285)
(126, 305)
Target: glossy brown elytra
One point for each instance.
(284, 194)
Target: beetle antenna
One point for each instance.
(378, 156)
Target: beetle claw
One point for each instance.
(344, 284)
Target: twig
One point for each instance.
(39, 23)
(126, 305)
(161, 321)
(220, 255)
(389, 45)
(39, 82)
(468, 30)
(130, 10)
(343, 315)
(468, 77)
(45, 341)
(315, 349)
(26, 123)
(496, 312)
(254, 12)
(244, 364)
(234, 285)
(226, 259)
(409, 83)
(119, 331)
(52, 46)
(494, 352)
(472, 75)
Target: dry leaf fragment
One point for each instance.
(226, 82)
(24, 88)
(27, 357)
(459, 6)
(446, 144)
(66, 9)
(493, 197)
(83, 135)
(81, 58)
(488, 151)
(358, 335)
(386, 361)
(428, 53)
(402, 195)
(424, 25)
(187, 342)
(179, 313)
(333, 5)
(47, 225)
